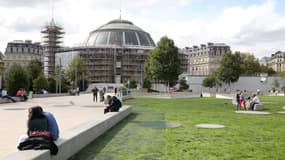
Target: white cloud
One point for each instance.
(257, 28)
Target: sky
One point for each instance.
(251, 26)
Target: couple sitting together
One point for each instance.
(114, 104)
(42, 131)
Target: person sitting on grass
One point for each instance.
(114, 104)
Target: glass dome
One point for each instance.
(120, 33)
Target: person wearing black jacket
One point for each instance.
(39, 136)
(114, 104)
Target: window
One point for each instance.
(143, 39)
(101, 38)
(116, 38)
(131, 38)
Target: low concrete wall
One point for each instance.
(72, 141)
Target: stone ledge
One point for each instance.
(72, 141)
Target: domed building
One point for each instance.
(113, 53)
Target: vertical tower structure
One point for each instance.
(52, 35)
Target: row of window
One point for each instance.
(23, 50)
(120, 38)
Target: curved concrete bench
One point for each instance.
(72, 141)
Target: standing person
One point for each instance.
(101, 93)
(242, 100)
(238, 99)
(95, 92)
(104, 90)
(77, 91)
(115, 91)
(255, 100)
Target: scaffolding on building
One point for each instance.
(51, 42)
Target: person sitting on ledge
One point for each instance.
(22, 94)
(114, 104)
(255, 100)
(3, 94)
(38, 134)
(52, 124)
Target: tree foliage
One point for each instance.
(146, 83)
(249, 65)
(131, 84)
(35, 69)
(211, 80)
(163, 62)
(230, 70)
(16, 77)
(77, 72)
(40, 83)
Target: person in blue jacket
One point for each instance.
(52, 124)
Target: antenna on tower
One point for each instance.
(120, 9)
(52, 9)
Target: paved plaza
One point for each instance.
(70, 112)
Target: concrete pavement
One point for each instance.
(70, 112)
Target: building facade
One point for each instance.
(277, 61)
(22, 52)
(52, 35)
(184, 61)
(113, 53)
(205, 58)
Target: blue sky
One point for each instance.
(254, 26)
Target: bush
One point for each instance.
(16, 77)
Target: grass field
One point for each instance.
(244, 137)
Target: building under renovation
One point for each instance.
(113, 53)
(51, 41)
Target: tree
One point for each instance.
(266, 69)
(40, 83)
(52, 84)
(229, 70)
(77, 72)
(249, 65)
(183, 85)
(211, 80)
(16, 77)
(35, 69)
(146, 83)
(131, 84)
(276, 85)
(163, 62)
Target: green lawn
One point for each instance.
(244, 137)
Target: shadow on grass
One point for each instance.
(99, 144)
(128, 140)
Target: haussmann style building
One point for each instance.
(22, 52)
(113, 53)
(205, 59)
(277, 61)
